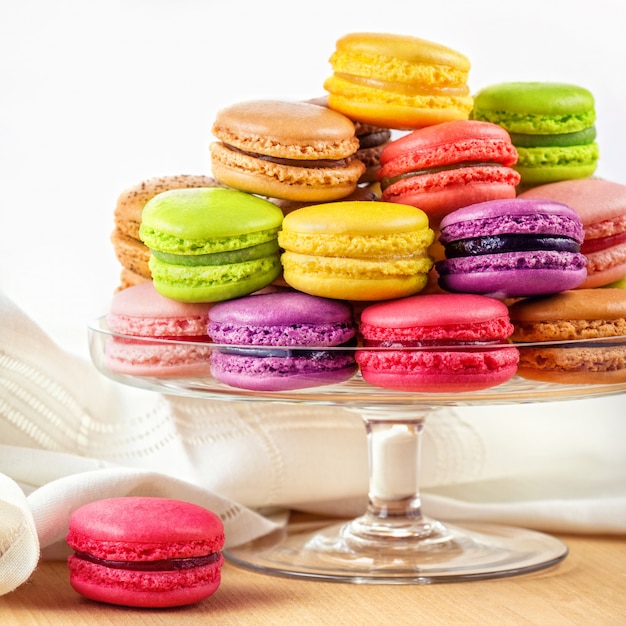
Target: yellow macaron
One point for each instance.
(398, 81)
(356, 250)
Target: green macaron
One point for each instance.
(211, 244)
(552, 126)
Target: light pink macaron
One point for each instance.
(157, 336)
(601, 205)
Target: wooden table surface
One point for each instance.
(588, 587)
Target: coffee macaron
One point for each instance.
(512, 248)
(601, 206)
(291, 150)
(356, 250)
(437, 343)
(211, 244)
(447, 166)
(281, 341)
(131, 252)
(148, 552)
(397, 81)
(582, 335)
(552, 125)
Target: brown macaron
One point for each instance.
(594, 320)
(290, 150)
(372, 140)
(130, 251)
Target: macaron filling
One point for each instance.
(227, 257)
(314, 163)
(509, 243)
(162, 565)
(577, 138)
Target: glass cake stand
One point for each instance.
(392, 541)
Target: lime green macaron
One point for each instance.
(211, 244)
(552, 126)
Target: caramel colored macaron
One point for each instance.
(586, 317)
(291, 150)
(130, 251)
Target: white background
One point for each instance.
(98, 95)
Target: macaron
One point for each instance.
(601, 206)
(552, 125)
(356, 250)
(171, 337)
(512, 248)
(447, 166)
(397, 81)
(211, 244)
(594, 320)
(372, 139)
(282, 341)
(131, 252)
(291, 150)
(437, 343)
(145, 551)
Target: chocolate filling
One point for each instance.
(371, 140)
(294, 162)
(495, 244)
(164, 565)
(390, 180)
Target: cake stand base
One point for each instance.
(450, 553)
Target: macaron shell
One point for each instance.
(289, 130)
(145, 590)
(204, 220)
(288, 182)
(536, 107)
(213, 283)
(516, 275)
(444, 192)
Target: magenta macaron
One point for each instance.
(281, 341)
(512, 248)
(145, 551)
(157, 336)
(437, 343)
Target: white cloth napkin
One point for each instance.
(69, 435)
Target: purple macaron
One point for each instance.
(279, 341)
(512, 248)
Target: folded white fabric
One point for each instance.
(69, 435)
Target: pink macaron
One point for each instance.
(157, 336)
(447, 166)
(437, 343)
(145, 551)
(601, 205)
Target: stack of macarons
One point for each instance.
(396, 184)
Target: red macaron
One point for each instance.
(447, 166)
(145, 551)
(437, 343)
